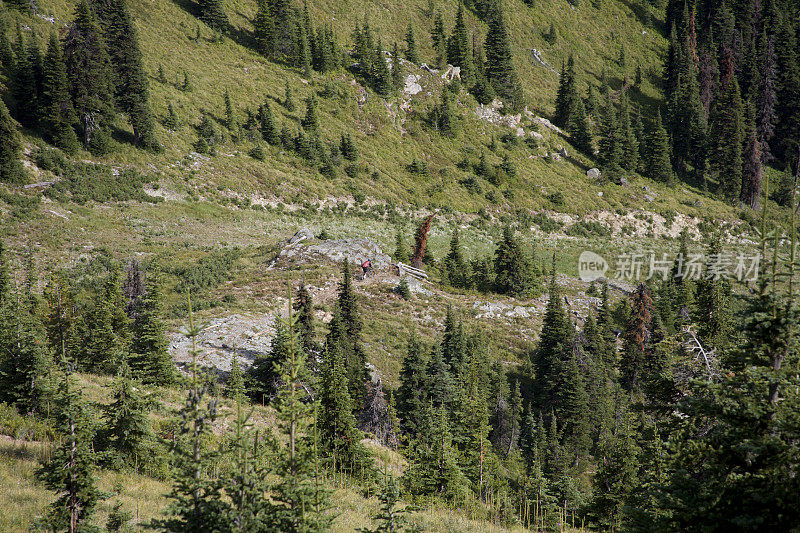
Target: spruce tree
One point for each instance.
(726, 138)
(580, 130)
(411, 46)
(127, 437)
(566, 95)
(300, 501)
(439, 40)
(397, 68)
(230, 120)
(57, 114)
(611, 142)
(171, 121)
(235, 387)
(304, 307)
(196, 502)
(269, 128)
(311, 121)
(381, 76)
(70, 471)
(151, 358)
(25, 80)
(637, 337)
(514, 273)
(11, 169)
(459, 49)
(455, 268)
(500, 69)
(263, 29)
(212, 12)
(751, 171)
(412, 393)
(131, 89)
(434, 468)
(659, 166)
(89, 72)
(345, 338)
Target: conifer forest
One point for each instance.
(433, 265)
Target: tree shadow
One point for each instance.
(645, 18)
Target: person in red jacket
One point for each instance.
(366, 266)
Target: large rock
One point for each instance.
(412, 85)
(593, 174)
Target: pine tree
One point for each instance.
(637, 337)
(459, 49)
(196, 495)
(264, 30)
(230, 120)
(397, 68)
(212, 12)
(630, 144)
(89, 72)
(441, 387)
(11, 170)
(130, 78)
(151, 358)
(269, 129)
(455, 268)
(611, 142)
(554, 341)
(514, 273)
(712, 302)
(288, 99)
(348, 147)
(412, 393)
(235, 387)
(439, 40)
(57, 114)
(338, 434)
(300, 501)
(751, 171)
(579, 129)
(171, 121)
(302, 45)
(71, 469)
(566, 97)
(127, 436)
(726, 137)
(311, 121)
(26, 79)
(263, 375)
(411, 46)
(659, 166)
(500, 69)
(616, 476)
(787, 129)
(381, 76)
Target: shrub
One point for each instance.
(403, 289)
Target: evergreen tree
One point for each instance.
(196, 495)
(89, 72)
(411, 46)
(397, 68)
(630, 144)
(382, 77)
(712, 301)
(300, 501)
(230, 120)
(348, 147)
(304, 307)
(412, 393)
(311, 121)
(659, 166)
(611, 142)
(127, 436)
(57, 114)
(131, 90)
(439, 40)
(513, 268)
(235, 387)
(71, 469)
(338, 434)
(212, 12)
(637, 337)
(434, 469)
(726, 137)
(171, 121)
(264, 29)
(345, 339)
(302, 46)
(263, 375)
(269, 128)
(455, 268)
(554, 341)
(579, 129)
(751, 171)
(151, 357)
(566, 95)
(616, 476)
(26, 79)
(11, 170)
(288, 100)
(500, 69)
(459, 49)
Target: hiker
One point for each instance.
(366, 266)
